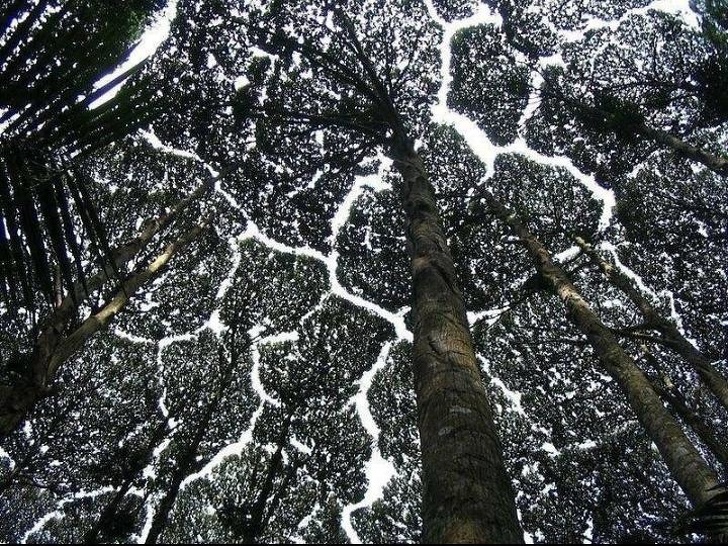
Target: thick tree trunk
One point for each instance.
(468, 497)
(672, 337)
(685, 462)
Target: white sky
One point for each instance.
(151, 39)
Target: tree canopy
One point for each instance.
(385, 271)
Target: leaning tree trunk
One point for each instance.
(190, 461)
(53, 349)
(132, 473)
(53, 346)
(684, 461)
(689, 416)
(672, 337)
(716, 163)
(468, 497)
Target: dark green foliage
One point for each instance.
(528, 26)
(612, 115)
(372, 241)
(566, 448)
(396, 517)
(685, 222)
(221, 406)
(95, 433)
(711, 75)
(451, 10)
(489, 86)
(277, 289)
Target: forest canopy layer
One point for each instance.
(377, 271)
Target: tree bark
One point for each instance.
(684, 461)
(468, 497)
(707, 435)
(672, 337)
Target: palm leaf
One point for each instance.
(30, 225)
(7, 284)
(89, 216)
(711, 519)
(69, 230)
(54, 227)
(16, 243)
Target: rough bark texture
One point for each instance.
(672, 337)
(468, 497)
(685, 462)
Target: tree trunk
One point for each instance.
(684, 461)
(52, 351)
(161, 516)
(106, 517)
(188, 461)
(468, 497)
(707, 435)
(133, 472)
(717, 164)
(258, 520)
(672, 337)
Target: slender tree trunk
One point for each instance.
(671, 394)
(715, 163)
(258, 520)
(186, 466)
(468, 497)
(161, 516)
(107, 515)
(685, 462)
(672, 337)
(134, 471)
(718, 165)
(50, 353)
(188, 463)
